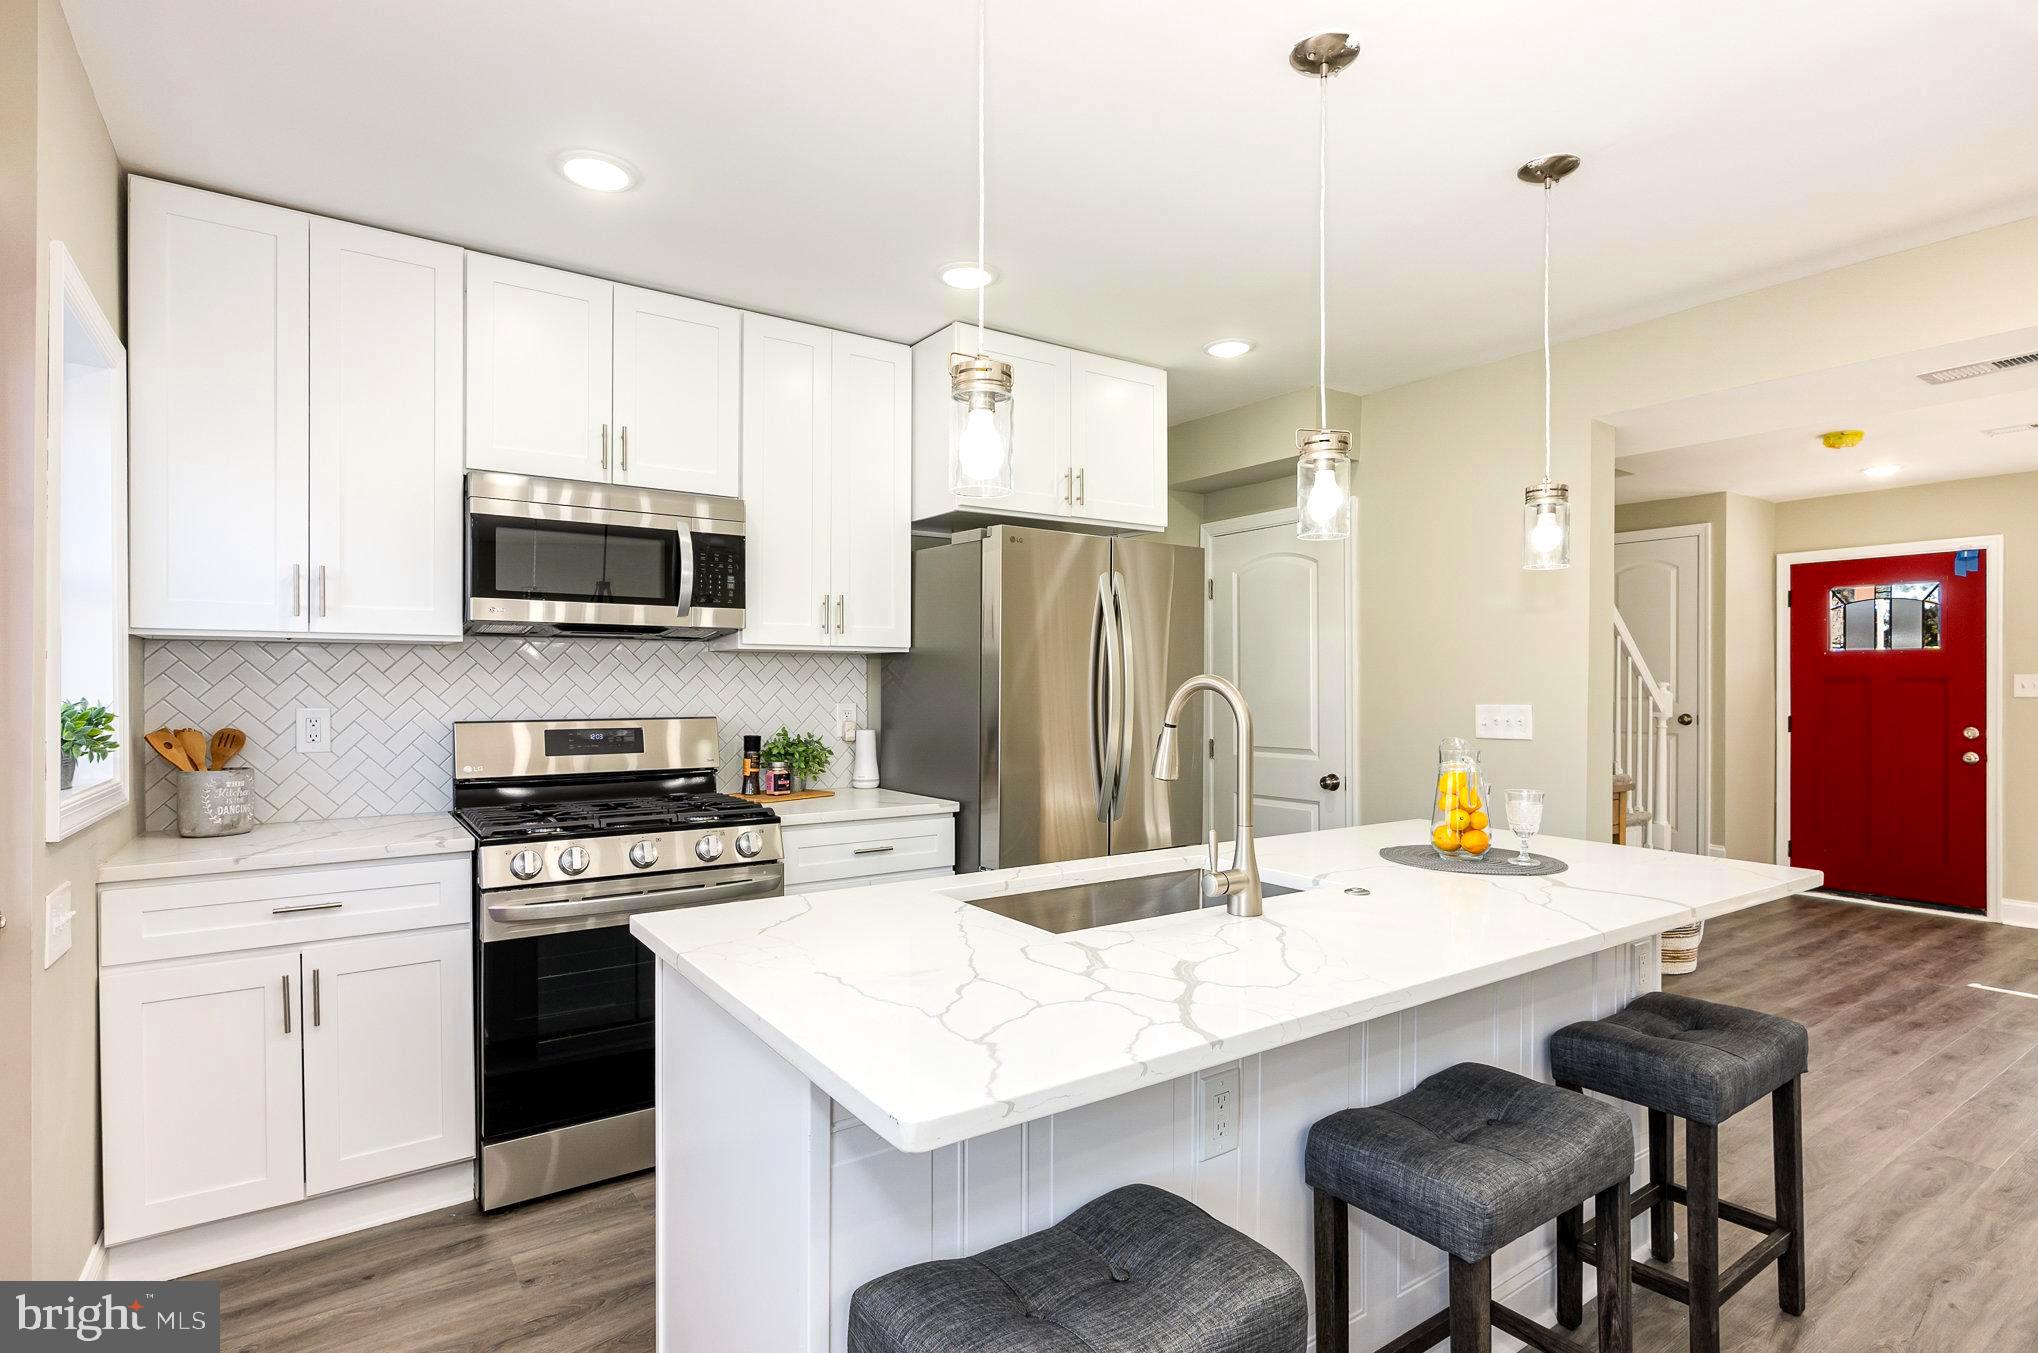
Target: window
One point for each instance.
(1884, 616)
(87, 563)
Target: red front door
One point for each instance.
(1888, 726)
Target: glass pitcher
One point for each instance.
(1458, 822)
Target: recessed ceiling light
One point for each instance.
(967, 276)
(596, 172)
(1228, 347)
(1881, 471)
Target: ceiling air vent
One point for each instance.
(1948, 375)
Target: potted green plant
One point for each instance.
(805, 754)
(83, 730)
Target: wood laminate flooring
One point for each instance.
(1921, 1142)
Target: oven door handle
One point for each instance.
(664, 899)
(683, 600)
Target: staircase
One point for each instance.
(1641, 747)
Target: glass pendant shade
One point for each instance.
(1323, 484)
(1546, 527)
(981, 426)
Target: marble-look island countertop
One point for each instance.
(281, 845)
(934, 1021)
(859, 805)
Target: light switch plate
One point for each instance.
(57, 916)
(1516, 723)
(315, 732)
(1219, 1112)
(2027, 685)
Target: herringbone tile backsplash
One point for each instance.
(393, 708)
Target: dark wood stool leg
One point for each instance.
(1570, 1276)
(1786, 1108)
(1616, 1258)
(1702, 1206)
(1333, 1275)
(1662, 1173)
(1472, 1305)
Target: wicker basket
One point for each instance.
(1680, 948)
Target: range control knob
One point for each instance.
(573, 860)
(709, 848)
(749, 843)
(644, 854)
(525, 864)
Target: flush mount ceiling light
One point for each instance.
(1843, 440)
(1323, 459)
(1228, 347)
(596, 172)
(980, 386)
(1546, 507)
(1882, 471)
(967, 276)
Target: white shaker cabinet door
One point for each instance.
(200, 1091)
(872, 533)
(1119, 429)
(386, 554)
(538, 370)
(678, 393)
(388, 1056)
(217, 299)
(788, 375)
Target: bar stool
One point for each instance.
(1691, 1059)
(1469, 1160)
(1138, 1268)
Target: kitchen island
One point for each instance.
(858, 1080)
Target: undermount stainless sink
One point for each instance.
(1083, 906)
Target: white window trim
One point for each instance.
(66, 814)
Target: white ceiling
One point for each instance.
(1151, 178)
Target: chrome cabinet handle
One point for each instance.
(873, 850)
(1080, 494)
(316, 1019)
(297, 589)
(824, 613)
(305, 906)
(840, 601)
(321, 589)
(286, 1003)
(605, 446)
(624, 439)
(1068, 487)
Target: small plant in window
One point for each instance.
(84, 731)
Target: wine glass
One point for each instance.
(1524, 819)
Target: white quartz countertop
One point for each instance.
(934, 1021)
(860, 805)
(279, 845)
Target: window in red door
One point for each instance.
(1889, 740)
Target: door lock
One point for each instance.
(1684, 720)
(1331, 781)
(1970, 758)
(1970, 732)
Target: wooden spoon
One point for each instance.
(226, 744)
(192, 743)
(165, 744)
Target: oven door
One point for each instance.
(555, 564)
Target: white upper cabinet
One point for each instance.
(386, 551)
(1089, 436)
(217, 334)
(678, 393)
(827, 450)
(538, 370)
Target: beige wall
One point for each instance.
(2005, 505)
(51, 1227)
(1251, 443)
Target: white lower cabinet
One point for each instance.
(830, 855)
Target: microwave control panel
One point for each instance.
(717, 571)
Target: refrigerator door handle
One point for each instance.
(1100, 647)
(1122, 714)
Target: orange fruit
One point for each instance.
(1475, 842)
(1479, 820)
(1444, 838)
(1459, 819)
(1471, 797)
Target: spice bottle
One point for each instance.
(753, 752)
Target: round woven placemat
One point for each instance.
(1494, 861)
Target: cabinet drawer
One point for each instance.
(183, 918)
(855, 850)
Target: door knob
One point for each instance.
(1331, 781)
(1684, 719)
(1970, 757)
(1970, 732)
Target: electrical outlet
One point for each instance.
(57, 916)
(315, 732)
(845, 721)
(1220, 1112)
(2027, 686)
(1515, 723)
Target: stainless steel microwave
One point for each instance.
(561, 556)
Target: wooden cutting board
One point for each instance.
(787, 798)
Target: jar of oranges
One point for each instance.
(1458, 824)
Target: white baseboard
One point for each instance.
(2012, 911)
(95, 1262)
(232, 1240)
(1717, 851)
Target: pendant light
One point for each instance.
(1323, 462)
(1546, 507)
(980, 387)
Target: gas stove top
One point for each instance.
(608, 817)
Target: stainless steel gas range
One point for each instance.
(579, 825)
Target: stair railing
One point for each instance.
(1642, 710)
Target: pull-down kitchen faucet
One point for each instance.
(1240, 884)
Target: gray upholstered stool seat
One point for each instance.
(1470, 1159)
(1138, 1270)
(1689, 1058)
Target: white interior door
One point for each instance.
(1660, 586)
(679, 389)
(1279, 618)
(388, 1056)
(539, 344)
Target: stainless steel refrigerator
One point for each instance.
(1042, 662)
